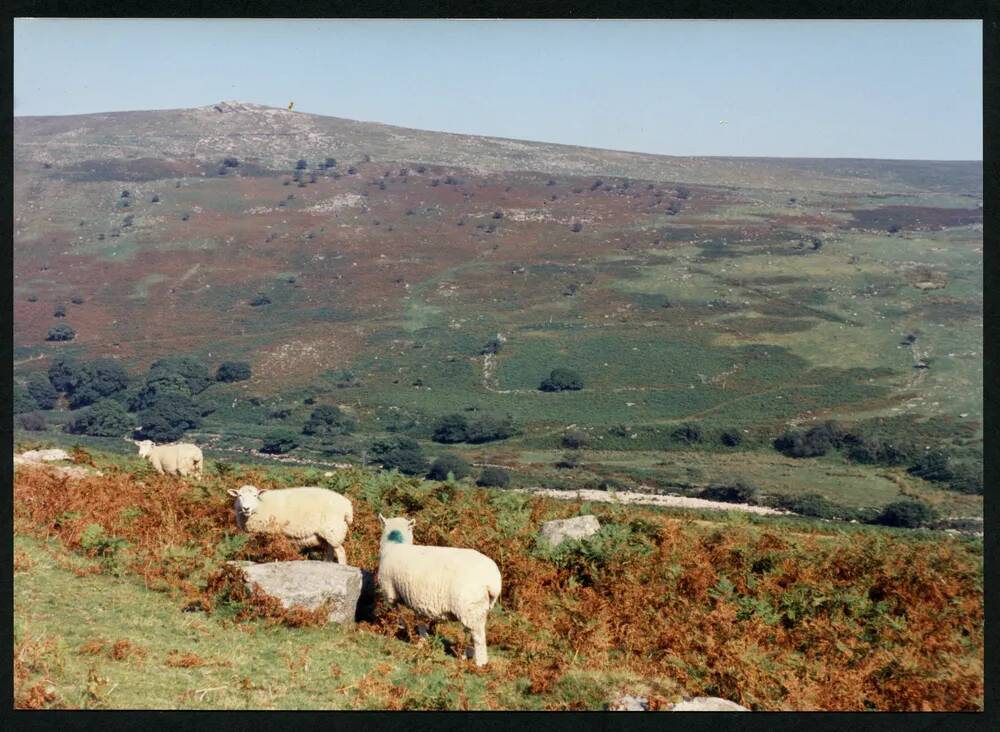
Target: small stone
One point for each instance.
(628, 703)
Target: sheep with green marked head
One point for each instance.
(438, 582)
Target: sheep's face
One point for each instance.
(247, 500)
(398, 530)
(145, 447)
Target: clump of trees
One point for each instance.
(328, 419)
(454, 428)
(562, 380)
(106, 418)
(400, 453)
(449, 463)
(230, 371)
(60, 332)
(40, 389)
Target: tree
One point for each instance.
(493, 478)
(259, 300)
(33, 422)
(688, 433)
(576, 228)
(568, 461)
(154, 199)
(489, 429)
(451, 429)
(168, 416)
(60, 333)
(231, 162)
(76, 299)
(279, 443)
(492, 346)
(328, 419)
(59, 311)
(301, 164)
(106, 418)
(330, 163)
(230, 371)
(41, 390)
(562, 380)
(908, 514)
(498, 214)
(125, 194)
(66, 373)
(449, 463)
(190, 369)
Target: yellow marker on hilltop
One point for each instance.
(290, 105)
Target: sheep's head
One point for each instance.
(247, 499)
(145, 447)
(398, 530)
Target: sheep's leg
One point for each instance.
(341, 554)
(330, 554)
(479, 643)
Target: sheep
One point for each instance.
(440, 583)
(179, 458)
(309, 516)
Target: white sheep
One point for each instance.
(309, 516)
(439, 582)
(179, 458)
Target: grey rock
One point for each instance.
(579, 527)
(350, 591)
(627, 703)
(41, 456)
(707, 704)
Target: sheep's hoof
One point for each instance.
(470, 652)
(422, 631)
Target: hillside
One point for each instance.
(122, 601)
(741, 296)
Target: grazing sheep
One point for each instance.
(439, 582)
(309, 516)
(179, 458)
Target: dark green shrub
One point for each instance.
(449, 463)
(22, 402)
(230, 371)
(689, 433)
(731, 438)
(493, 478)
(933, 466)
(568, 461)
(736, 492)
(574, 440)
(493, 345)
(907, 514)
(76, 300)
(562, 380)
(66, 373)
(33, 422)
(106, 418)
(490, 429)
(193, 371)
(41, 390)
(451, 429)
(279, 443)
(260, 300)
(60, 333)
(59, 311)
(399, 452)
(809, 504)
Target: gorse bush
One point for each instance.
(907, 514)
(328, 419)
(280, 442)
(230, 371)
(688, 434)
(562, 380)
(736, 492)
(454, 428)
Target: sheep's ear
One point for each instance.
(233, 492)
(411, 522)
(262, 492)
(382, 519)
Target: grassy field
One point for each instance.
(119, 603)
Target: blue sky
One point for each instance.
(879, 89)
